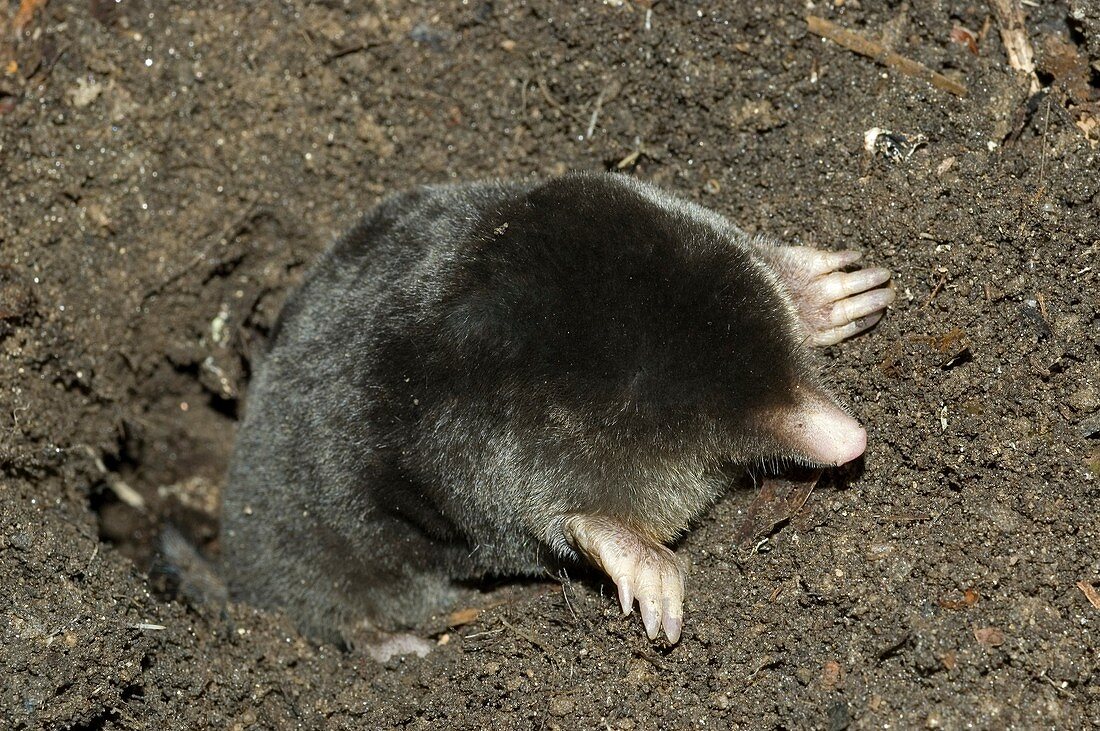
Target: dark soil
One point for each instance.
(169, 171)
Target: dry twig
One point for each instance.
(870, 48)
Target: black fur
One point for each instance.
(470, 364)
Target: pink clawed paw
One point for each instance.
(833, 304)
(642, 570)
(847, 303)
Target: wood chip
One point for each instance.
(1090, 593)
(1010, 19)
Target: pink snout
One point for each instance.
(820, 430)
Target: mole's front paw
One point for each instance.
(833, 304)
(641, 569)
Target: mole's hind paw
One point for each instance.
(381, 646)
(642, 569)
(398, 644)
(833, 304)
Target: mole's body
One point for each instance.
(489, 379)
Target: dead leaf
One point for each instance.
(964, 37)
(778, 500)
(1069, 67)
(459, 617)
(1073, 74)
(832, 675)
(947, 342)
(970, 598)
(25, 13)
(989, 636)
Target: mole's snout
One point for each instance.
(822, 431)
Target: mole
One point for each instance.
(496, 378)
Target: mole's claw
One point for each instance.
(852, 316)
(626, 594)
(672, 601)
(651, 617)
(832, 304)
(642, 569)
(818, 261)
(673, 624)
(838, 285)
(834, 335)
(861, 305)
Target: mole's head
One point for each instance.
(627, 323)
